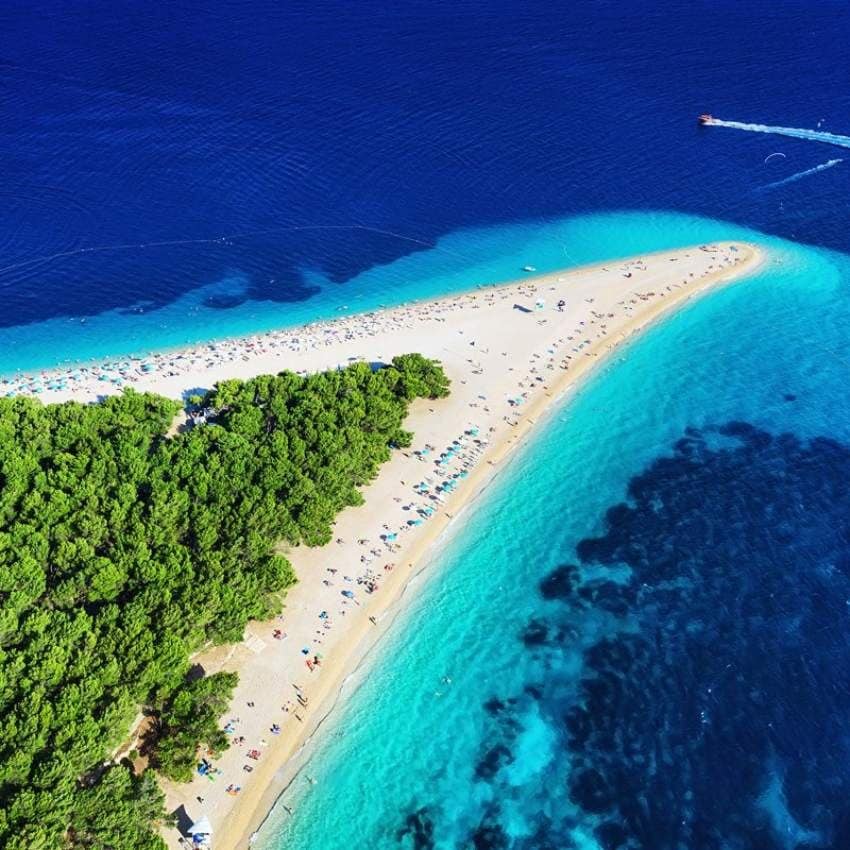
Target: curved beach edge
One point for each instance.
(344, 668)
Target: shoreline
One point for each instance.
(21, 381)
(343, 314)
(239, 817)
(362, 652)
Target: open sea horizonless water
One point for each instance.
(640, 635)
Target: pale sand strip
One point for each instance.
(606, 305)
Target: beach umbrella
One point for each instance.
(201, 827)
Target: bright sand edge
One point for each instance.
(285, 756)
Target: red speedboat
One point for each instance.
(704, 119)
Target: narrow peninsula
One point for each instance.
(153, 561)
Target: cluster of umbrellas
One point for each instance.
(113, 373)
(451, 484)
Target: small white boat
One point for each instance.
(529, 269)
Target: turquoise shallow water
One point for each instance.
(521, 748)
(713, 714)
(459, 261)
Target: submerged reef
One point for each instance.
(712, 624)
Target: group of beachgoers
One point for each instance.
(355, 569)
(445, 469)
(93, 380)
(109, 376)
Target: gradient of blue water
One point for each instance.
(772, 352)
(172, 176)
(181, 173)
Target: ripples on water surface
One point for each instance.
(661, 672)
(236, 166)
(646, 628)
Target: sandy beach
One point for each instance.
(511, 351)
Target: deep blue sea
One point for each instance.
(172, 172)
(646, 620)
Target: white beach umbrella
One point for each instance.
(201, 827)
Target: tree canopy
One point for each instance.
(124, 551)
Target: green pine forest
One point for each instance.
(124, 550)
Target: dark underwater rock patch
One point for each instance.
(534, 691)
(419, 828)
(489, 836)
(738, 594)
(560, 583)
(495, 706)
(609, 595)
(492, 762)
(590, 790)
(717, 665)
(536, 633)
(611, 836)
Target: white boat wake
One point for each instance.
(791, 132)
(801, 174)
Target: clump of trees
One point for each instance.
(190, 716)
(123, 551)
